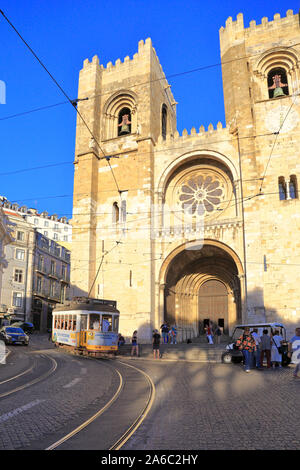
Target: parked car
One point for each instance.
(13, 335)
(235, 355)
(25, 325)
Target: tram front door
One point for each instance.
(83, 330)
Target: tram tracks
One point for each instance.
(142, 416)
(135, 422)
(37, 379)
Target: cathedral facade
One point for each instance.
(203, 225)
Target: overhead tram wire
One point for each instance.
(100, 264)
(140, 153)
(275, 140)
(72, 102)
(111, 227)
(42, 108)
(186, 72)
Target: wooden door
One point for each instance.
(213, 303)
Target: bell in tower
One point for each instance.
(124, 122)
(277, 85)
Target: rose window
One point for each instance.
(201, 194)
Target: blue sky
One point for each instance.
(185, 35)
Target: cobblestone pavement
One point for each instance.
(219, 406)
(198, 406)
(54, 405)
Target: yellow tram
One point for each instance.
(86, 325)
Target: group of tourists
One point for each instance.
(255, 348)
(169, 333)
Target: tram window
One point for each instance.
(74, 322)
(83, 322)
(116, 323)
(94, 321)
(70, 327)
(106, 323)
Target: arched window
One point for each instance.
(124, 121)
(115, 213)
(282, 188)
(164, 116)
(277, 82)
(293, 189)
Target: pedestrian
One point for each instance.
(276, 357)
(265, 348)
(121, 340)
(209, 336)
(246, 343)
(256, 353)
(165, 332)
(294, 351)
(218, 334)
(173, 333)
(156, 344)
(134, 344)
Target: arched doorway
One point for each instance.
(202, 283)
(213, 304)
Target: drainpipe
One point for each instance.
(236, 132)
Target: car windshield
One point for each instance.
(14, 330)
(237, 333)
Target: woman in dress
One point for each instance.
(276, 357)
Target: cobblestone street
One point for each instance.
(218, 406)
(198, 406)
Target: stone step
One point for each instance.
(202, 352)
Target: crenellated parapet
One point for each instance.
(216, 133)
(145, 56)
(235, 30)
(144, 48)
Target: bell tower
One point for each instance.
(261, 82)
(126, 107)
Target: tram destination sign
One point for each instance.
(109, 303)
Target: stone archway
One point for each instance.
(187, 271)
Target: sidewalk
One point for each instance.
(197, 351)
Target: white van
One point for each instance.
(235, 355)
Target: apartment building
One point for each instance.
(36, 275)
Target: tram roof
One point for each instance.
(89, 304)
